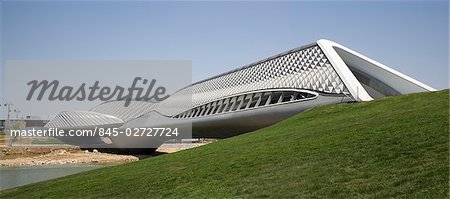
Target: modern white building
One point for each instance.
(253, 96)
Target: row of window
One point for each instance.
(246, 101)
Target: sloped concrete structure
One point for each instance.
(255, 95)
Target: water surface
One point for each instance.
(16, 176)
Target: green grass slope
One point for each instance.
(394, 147)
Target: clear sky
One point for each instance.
(411, 37)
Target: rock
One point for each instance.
(62, 152)
(95, 151)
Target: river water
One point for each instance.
(17, 176)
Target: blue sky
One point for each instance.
(411, 37)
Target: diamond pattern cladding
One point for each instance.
(306, 68)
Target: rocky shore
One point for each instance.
(29, 156)
(62, 156)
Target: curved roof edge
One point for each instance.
(353, 85)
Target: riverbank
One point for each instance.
(394, 147)
(23, 156)
(62, 156)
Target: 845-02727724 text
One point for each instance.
(97, 131)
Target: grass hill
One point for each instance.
(393, 147)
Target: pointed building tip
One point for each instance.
(327, 41)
